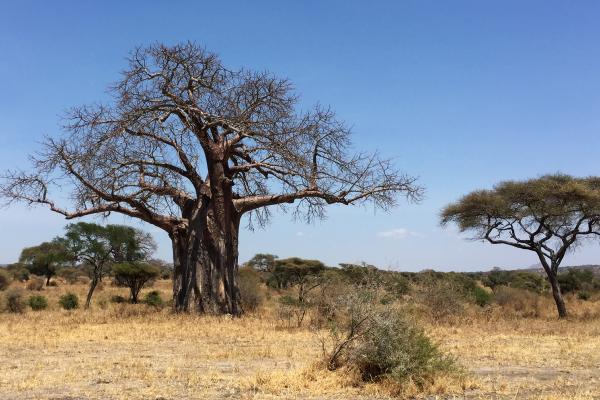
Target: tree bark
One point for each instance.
(557, 294)
(205, 258)
(93, 285)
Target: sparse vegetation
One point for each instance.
(5, 279)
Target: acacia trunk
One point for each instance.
(88, 299)
(557, 294)
(205, 256)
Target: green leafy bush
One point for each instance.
(153, 299)
(584, 295)
(69, 301)
(38, 302)
(5, 279)
(14, 301)
(481, 296)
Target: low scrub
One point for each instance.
(153, 299)
(38, 303)
(69, 301)
(522, 302)
(380, 342)
(35, 284)
(5, 279)
(14, 302)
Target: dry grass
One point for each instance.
(135, 352)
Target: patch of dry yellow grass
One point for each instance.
(135, 352)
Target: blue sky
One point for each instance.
(463, 94)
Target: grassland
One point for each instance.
(124, 351)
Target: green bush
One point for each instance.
(584, 295)
(153, 299)
(38, 303)
(481, 296)
(69, 301)
(14, 301)
(5, 279)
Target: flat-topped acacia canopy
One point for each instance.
(548, 215)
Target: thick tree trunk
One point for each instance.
(205, 261)
(557, 294)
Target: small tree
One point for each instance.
(44, 259)
(97, 246)
(262, 262)
(548, 216)
(134, 275)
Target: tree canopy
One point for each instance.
(547, 215)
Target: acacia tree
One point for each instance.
(191, 146)
(98, 246)
(549, 216)
(45, 258)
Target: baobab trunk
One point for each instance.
(205, 258)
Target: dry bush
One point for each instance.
(443, 300)
(14, 301)
(249, 284)
(522, 302)
(380, 342)
(5, 279)
(35, 283)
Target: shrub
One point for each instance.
(14, 301)
(291, 308)
(134, 276)
(523, 302)
(584, 295)
(395, 348)
(481, 296)
(36, 284)
(69, 301)
(443, 299)
(117, 299)
(38, 303)
(249, 285)
(20, 274)
(5, 279)
(378, 341)
(153, 299)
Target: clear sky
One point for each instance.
(463, 93)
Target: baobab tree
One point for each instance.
(191, 147)
(548, 216)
